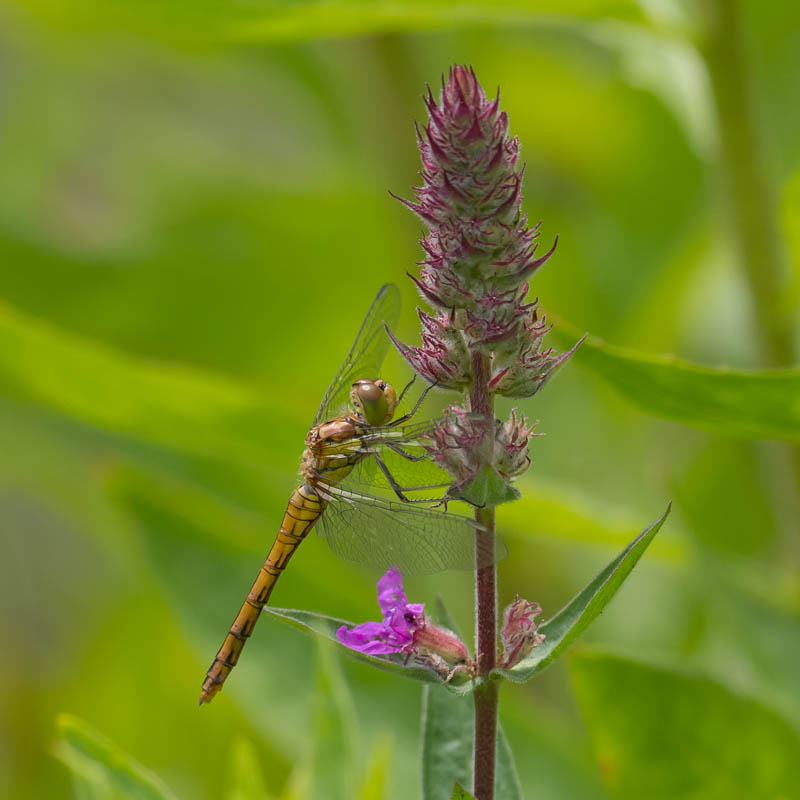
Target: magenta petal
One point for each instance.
(370, 638)
(390, 591)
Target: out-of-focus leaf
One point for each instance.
(567, 514)
(750, 405)
(166, 404)
(507, 783)
(378, 763)
(334, 749)
(246, 779)
(326, 627)
(460, 793)
(281, 21)
(446, 742)
(447, 729)
(659, 734)
(100, 769)
(565, 627)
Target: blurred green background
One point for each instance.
(194, 218)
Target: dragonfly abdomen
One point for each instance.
(303, 510)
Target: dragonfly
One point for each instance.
(356, 455)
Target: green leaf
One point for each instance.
(658, 734)
(334, 749)
(373, 786)
(447, 730)
(100, 769)
(246, 781)
(303, 20)
(565, 627)
(165, 404)
(507, 784)
(446, 742)
(459, 793)
(748, 405)
(326, 627)
(487, 488)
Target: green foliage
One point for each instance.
(564, 628)
(752, 405)
(279, 21)
(333, 761)
(447, 727)
(188, 237)
(733, 747)
(246, 780)
(459, 793)
(488, 488)
(100, 769)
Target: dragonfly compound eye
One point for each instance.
(371, 402)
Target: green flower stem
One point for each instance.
(486, 695)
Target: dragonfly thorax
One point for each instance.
(374, 401)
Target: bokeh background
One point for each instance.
(194, 218)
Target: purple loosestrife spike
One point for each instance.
(519, 631)
(404, 629)
(479, 250)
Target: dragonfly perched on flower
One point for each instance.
(352, 469)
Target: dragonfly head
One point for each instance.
(374, 401)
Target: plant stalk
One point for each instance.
(486, 696)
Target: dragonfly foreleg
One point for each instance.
(401, 490)
(406, 417)
(407, 387)
(405, 454)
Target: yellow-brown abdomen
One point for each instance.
(304, 509)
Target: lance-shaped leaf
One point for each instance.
(100, 769)
(460, 793)
(326, 627)
(565, 627)
(745, 404)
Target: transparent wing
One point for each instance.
(367, 353)
(417, 478)
(384, 533)
(401, 450)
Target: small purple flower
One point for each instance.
(401, 620)
(404, 629)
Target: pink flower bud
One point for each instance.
(519, 634)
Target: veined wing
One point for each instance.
(402, 452)
(367, 353)
(417, 540)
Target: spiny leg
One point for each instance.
(407, 387)
(406, 417)
(406, 455)
(400, 490)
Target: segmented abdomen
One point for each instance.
(304, 509)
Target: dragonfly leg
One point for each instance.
(406, 455)
(407, 387)
(400, 490)
(406, 417)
